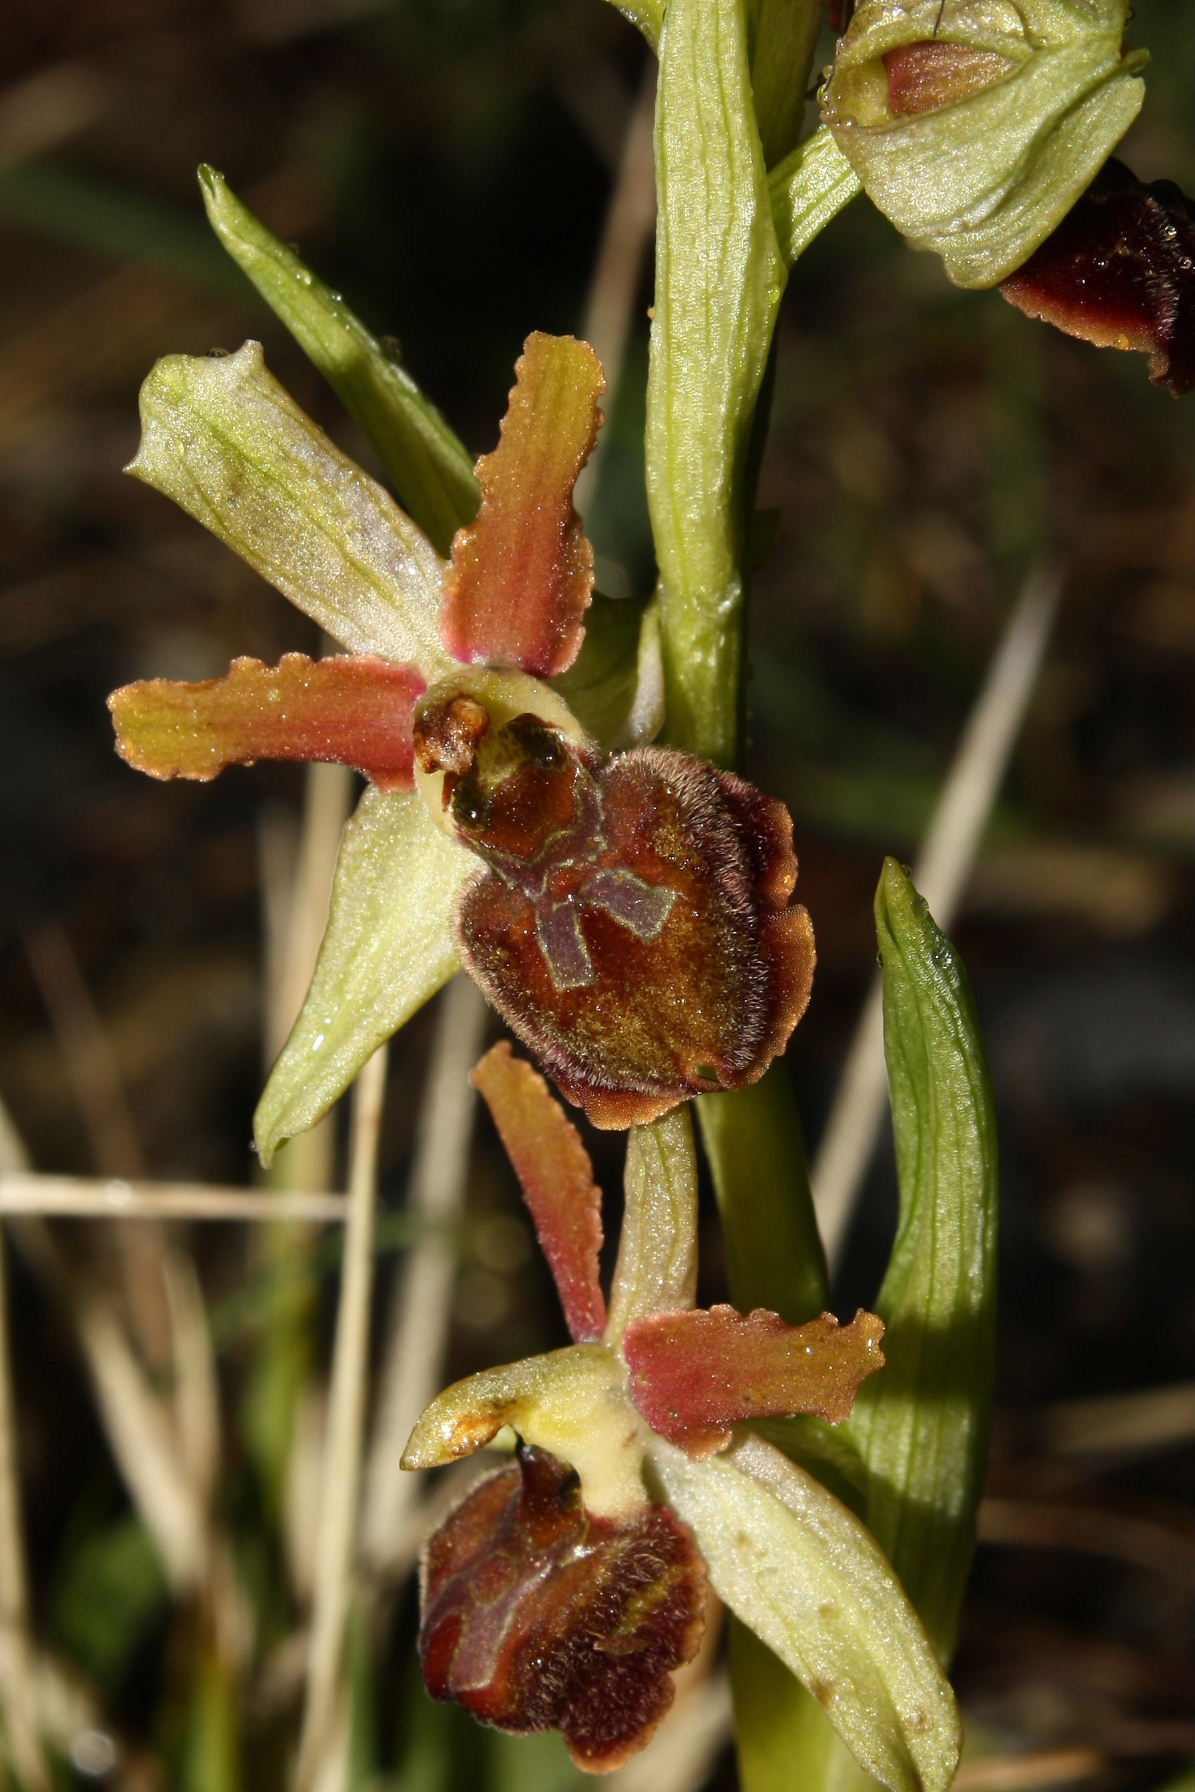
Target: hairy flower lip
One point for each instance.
(1119, 272)
(521, 1574)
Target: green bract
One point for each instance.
(983, 178)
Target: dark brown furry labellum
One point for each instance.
(537, 1615)
(634, 926)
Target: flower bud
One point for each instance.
(974, 125)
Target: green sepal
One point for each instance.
(424, 459)
(923, 1433)
(389, 945)
(984, 180)
(801, 1571)
(807, 189)
(719, 279)
(222, 438)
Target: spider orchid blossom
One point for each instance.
(628, 914)
(567, 1586)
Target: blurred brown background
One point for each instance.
(446, 164)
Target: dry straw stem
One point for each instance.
(136, 1422)
(1026, 1773)
(1121, 1425)
(943, 866)
(114, 1197)
(419, 1317)
(296, 886)
(16, 1653)
(335, 1543)
(17, 1660)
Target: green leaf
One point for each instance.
(108, 1592)
(388, 947)
(425, 460)
(719, 279)
(923, 1432)
(796, 1566)
(810, 187)
(657, 1250)
(223, 439)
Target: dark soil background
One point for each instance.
(445, 164)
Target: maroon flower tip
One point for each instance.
(924, 76)
(635, 927)
(1119, 271)
(537, 1615)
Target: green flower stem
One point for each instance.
(724, 242)
(756, 1151)
(719, 279)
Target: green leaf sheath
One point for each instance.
(922, 1426)
(719, 279)
(808, 188)
(389, 945)
(423, 458)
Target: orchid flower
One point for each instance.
(566, 1587)
(629, 915)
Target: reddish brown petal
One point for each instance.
(348, 710)
(556, 1177)
(522, 575)
(695, 1374)
(644, 945)
(1119, 271)
(926, 75)
(536, 1615)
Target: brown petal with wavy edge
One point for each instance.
(556, 1177)
(522, 575)
(645, 948)
(537, 1616)
(1119, 272)
(695, 1374)
(349, 710)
